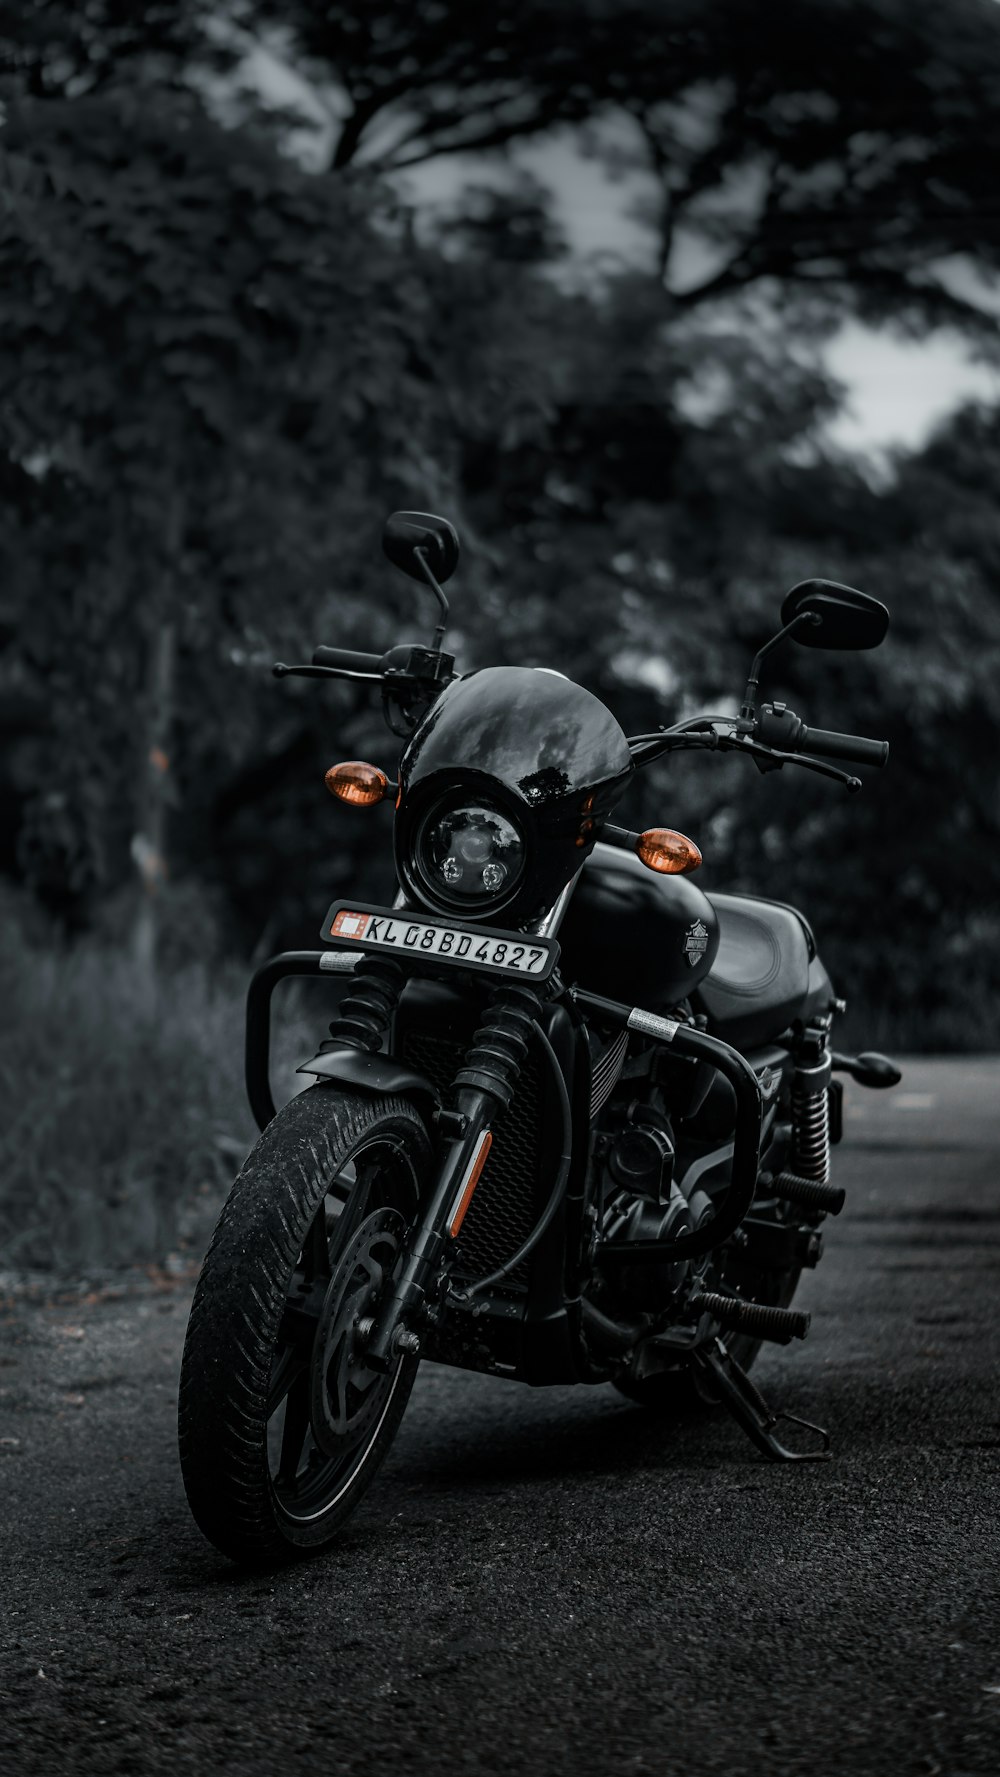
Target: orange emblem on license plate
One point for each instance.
(349, 925)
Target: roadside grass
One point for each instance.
(123, 1117)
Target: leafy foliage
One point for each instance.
(211, 365)
(60, 49)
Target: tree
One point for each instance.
(219, 371)
(58, 49)
(206, 358)
(840, 149)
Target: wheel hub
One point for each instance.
(345, 1395)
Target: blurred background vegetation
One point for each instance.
(235, 336)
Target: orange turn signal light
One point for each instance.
(357, 783)
(672, 854)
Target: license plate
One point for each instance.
(427, 939)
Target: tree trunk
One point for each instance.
(153, 790)
(149, 841)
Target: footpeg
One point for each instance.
(870, 1069)
(748, 1407)
(778, 1324)
(809, 1193)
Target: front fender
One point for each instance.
(372, 1073)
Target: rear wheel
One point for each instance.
(282, 1426)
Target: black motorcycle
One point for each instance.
(574, 1116)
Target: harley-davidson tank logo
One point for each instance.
(696, 942)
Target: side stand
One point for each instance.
(749, 1408)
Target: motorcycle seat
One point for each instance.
(761, 979)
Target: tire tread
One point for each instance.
(226, 1366)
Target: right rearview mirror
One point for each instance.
(406, 532)
(847, 618)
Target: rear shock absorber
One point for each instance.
(806, 1180)
(811, 1121)
(366, 1013)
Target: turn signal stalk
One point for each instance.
(670, 853)
(357, 783)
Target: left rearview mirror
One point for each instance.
(406, 532)
(847, 618)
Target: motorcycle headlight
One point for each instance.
(469, 854)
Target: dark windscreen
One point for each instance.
(540, 734)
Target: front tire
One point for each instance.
(281, 1426)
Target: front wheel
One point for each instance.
(281, 1424)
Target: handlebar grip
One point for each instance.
(855, 747)
(348, 660)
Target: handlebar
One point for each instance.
(778, 726)
(829, 743)
(348, 660)
(410, 675)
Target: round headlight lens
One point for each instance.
(469, 854)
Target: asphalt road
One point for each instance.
(549, 1581)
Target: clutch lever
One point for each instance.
(280, 671)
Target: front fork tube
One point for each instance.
(406, 1299)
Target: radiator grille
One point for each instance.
(504, 1208)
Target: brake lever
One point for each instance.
(775, 759)
(851, 784)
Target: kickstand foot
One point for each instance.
(748, 1406)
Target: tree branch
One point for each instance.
(729, 277)
(667, 210)
(496, 137)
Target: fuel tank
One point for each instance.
(634, 935)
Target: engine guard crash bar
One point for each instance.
(684, 1040)
(354, 1068)
(257, 1048)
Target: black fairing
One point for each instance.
(633, 935)
(543, 749)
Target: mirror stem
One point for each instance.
(421, 556)
(748, 708)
